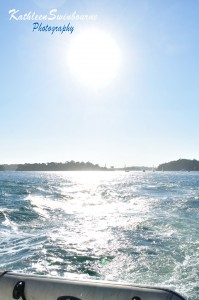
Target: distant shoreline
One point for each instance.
(67, 166)
(52, 166)
(178, 165)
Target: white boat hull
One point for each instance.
(34, 287)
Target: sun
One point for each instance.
(94, 58)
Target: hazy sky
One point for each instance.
(145, 112)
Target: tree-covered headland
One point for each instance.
(180, 165)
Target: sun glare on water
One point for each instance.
(94, 58)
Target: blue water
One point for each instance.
(135, 227)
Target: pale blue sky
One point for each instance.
(146, 116)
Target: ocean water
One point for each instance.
(133, 227)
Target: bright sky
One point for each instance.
(122, 89)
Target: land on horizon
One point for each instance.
(66, 166)
(178, 165)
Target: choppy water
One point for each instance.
(135, 227)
